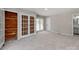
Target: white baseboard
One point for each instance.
(1, 44)
(63, 33)
(66, 34)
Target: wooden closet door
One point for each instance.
(31, 24)
(10, 25)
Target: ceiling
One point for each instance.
(50, 11)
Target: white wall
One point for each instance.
(48, 24)
(62, 23)
(2, 34)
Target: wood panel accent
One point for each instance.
(31, 24)
(10, 25)
(24, 25)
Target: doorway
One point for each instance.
(10, 26)
(39, 24)
(76, 25)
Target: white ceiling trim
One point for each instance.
(50, 11)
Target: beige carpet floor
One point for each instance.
(44, 41)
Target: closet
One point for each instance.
(25, 22)
(10, 25)
(24, 25)
(31, 24)
(28, 25)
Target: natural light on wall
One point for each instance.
(39, 24)
(77, 19)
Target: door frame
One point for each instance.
(17, 22)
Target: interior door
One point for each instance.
(10, 25)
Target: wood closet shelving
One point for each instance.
(27, 24)
(24, 25)
(31, 24)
